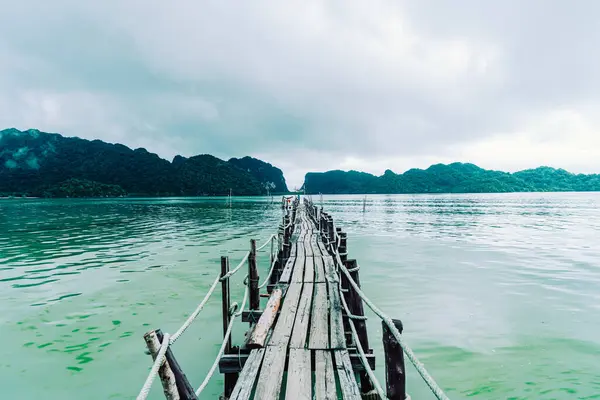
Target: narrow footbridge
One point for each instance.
(309, 341)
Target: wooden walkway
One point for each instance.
(308, 334)
(310, 339)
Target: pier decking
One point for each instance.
(308, 334)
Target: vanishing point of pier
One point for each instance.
(310, 340)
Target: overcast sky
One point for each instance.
(313, 85)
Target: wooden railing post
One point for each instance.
(175, 383)
(225, 300)
(330, 232)
(167, 378)
(253, 277)
(342, 246)
(395, 374)
(230, 379)
(286, 240)
(324, 229)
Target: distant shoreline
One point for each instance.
(289, 194)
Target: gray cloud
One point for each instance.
(312, 85)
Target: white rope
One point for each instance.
(192, 317)
(236, 269)
(160, 359)
(361, 352)
(266, 242)
(270, 273)
(222, 349)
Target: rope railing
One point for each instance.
(168, 340)
(269, 275)
(361, 352)
(223, 345)
(435, 388)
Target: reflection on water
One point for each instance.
(498, 293)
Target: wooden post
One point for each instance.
(230, 379)
(286, 241)
(167, 378)
(395, 374)
(323, 228)
(225, 300)
(343, 249)
(355, 305)
(253, 277)
(330, 231)
(185, 389)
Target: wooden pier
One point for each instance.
(301, 329)
(309, 339)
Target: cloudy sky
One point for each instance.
(313, 85)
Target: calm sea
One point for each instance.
(499, 294)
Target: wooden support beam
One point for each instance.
(235, 362)
(185, 389)
(395, 374)
(258, 337)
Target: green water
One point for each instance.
(499, 294)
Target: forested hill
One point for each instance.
(263, 171)
(35, 163)
(452, 178)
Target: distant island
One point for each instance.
(39, 164)
(452, 178)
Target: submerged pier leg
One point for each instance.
(395, 374)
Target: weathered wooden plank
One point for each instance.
(293, 249)
(315, 247)
(286, 275)
(346, 375)
(258, 336)
(268, 386)
(298, 274)
(319, 270)
(283, 328)
(245, 383)
(322, 247)
(319, 321)
(336, 324)
(299, 375)
(330, 269)
(300, 246)
(299, 334)
(324, 376)
(307, 245)
(309, 269)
